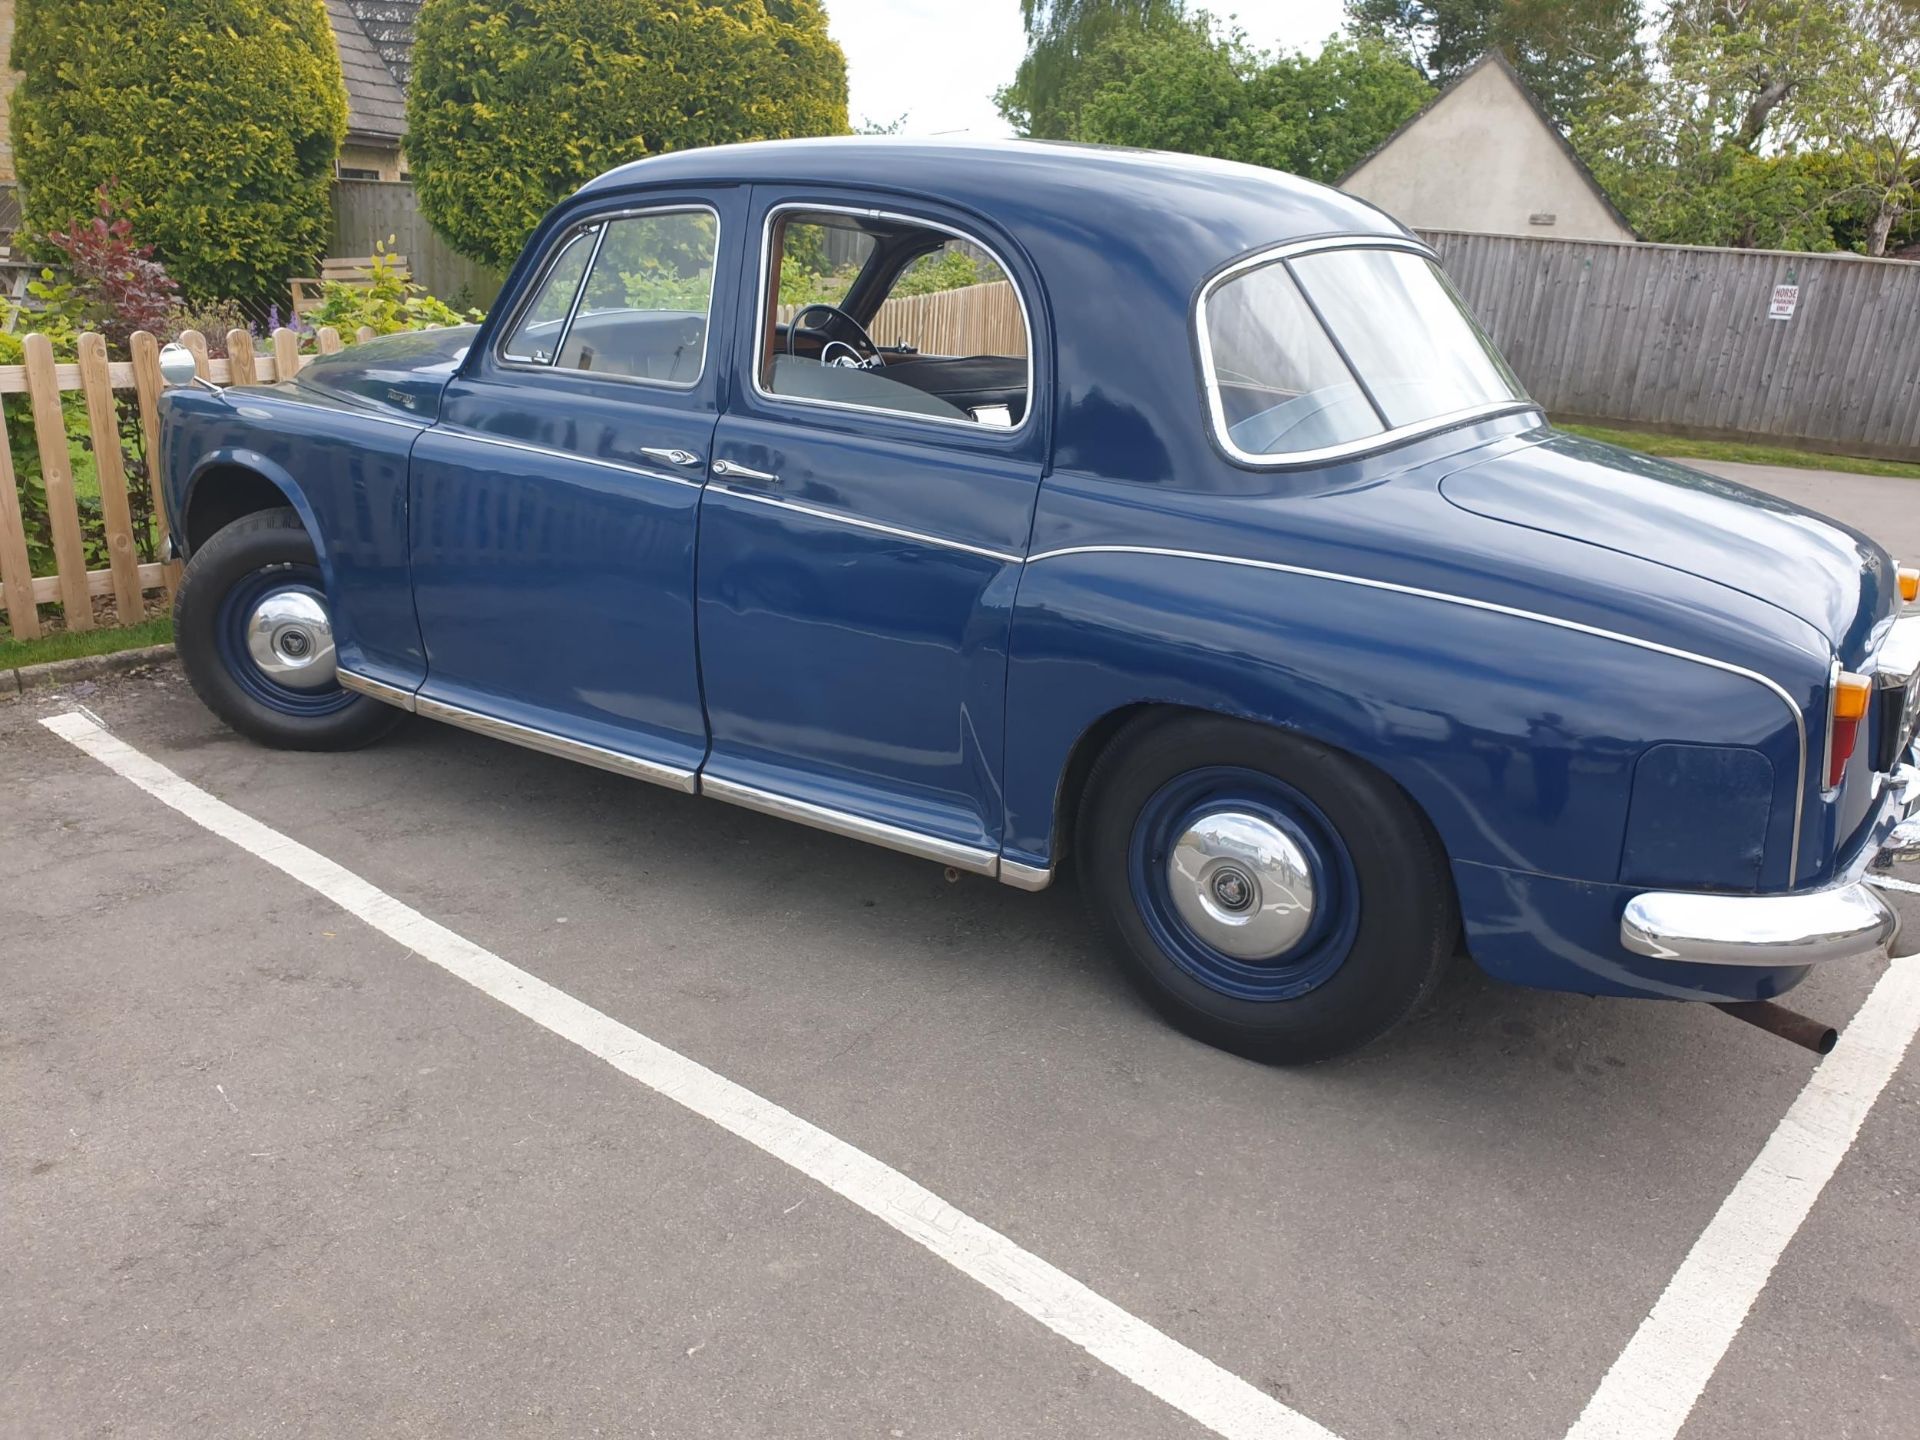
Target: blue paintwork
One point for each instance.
(575, 587)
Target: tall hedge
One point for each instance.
(516, 103)
(214, 123)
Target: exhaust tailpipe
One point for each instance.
(1802, 1030)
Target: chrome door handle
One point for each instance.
(668, 456)
(726, 469)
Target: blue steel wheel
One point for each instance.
(1266, 893)
(254, 630)
(1244, 883)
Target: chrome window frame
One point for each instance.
(762, 318)
(1366, 445)
(601, 222)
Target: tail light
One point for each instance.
(1852, 699)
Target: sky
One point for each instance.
(938, 62)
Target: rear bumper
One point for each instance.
(1842, 922)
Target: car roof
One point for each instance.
(992, 176)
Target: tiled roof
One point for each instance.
(376, 106)
(389, 25)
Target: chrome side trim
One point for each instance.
(272, 396)
(761, 498)
(652, 771)
(1025, 877)
(855, 827)
(868, 213)
(375, 689)
(1844, 923)
(1793, 707)
(480, 437)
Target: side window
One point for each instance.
(630, 297)
(875, 312)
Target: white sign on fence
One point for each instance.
(1785, 298)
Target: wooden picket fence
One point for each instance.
(72, 586)
(971, 320)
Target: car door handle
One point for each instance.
(726, 469)
(667, 456)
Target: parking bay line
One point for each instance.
(1158, 1364)
(1650, 1390)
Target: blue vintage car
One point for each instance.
(1238, 574)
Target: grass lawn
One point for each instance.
(69, 645)
(1676, 448)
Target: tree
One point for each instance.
(516, 103)
(1768, 122)
(1181, 86)
(1044, 98)
(1566, 50)
(213, 125)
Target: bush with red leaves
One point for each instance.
(118, 286)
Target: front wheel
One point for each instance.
(1267, 894)
(255, 636)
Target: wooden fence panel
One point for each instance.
(110, 468)
(56, 475)
(1679, 337)
(369, 211)
(44, 383)
(16, 565)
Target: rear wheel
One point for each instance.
(1267, 894)
(255, 636)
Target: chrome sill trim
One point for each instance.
(838, 822)
(481, 438)
(652, 771)
(376, 689)
(1844, 923)
(1025, 877)
(1793, 708)
(856, 522)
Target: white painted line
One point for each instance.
(1652, 1387)
(1889, 882)
(1158, 1364)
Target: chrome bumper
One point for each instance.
(1842, 922)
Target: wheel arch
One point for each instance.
(229, 484)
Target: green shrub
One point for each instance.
(214, 125)
(516, 103)
(386, 303)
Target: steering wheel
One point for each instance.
(794, 326)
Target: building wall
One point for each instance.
(1483, 160)
(385, 160)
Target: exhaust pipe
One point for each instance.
(1802, 1030)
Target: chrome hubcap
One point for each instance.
(291, 639)
(1242, 884)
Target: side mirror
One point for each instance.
(176, 364)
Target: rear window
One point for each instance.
(1336, 347)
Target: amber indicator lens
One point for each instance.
(1852, 694)
(1909, 578)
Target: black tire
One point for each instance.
(1405, 922)
(264, 544)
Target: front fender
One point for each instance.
(1517, 736)
(344, 471)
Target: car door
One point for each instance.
(556, 502)
(860, 548)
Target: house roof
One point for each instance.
(1496, 58)
(389, 25)
(376, 106)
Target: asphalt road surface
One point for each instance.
(264, 1170)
